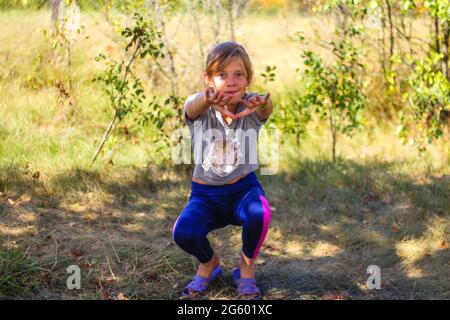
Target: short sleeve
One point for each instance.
(189, 99)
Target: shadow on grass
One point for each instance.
(124, 186)
(363, 211)
(91, 218)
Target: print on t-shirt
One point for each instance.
(222, 156)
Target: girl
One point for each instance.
(225, 189)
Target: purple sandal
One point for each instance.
(246, 287)
(199, 285)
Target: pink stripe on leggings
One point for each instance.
(175, 225)
(266, 221)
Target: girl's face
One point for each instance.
(232, 80)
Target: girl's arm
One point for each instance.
(203, 100)
(196, 107)
(265, 113)
(255, 104)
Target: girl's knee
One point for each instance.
(257, 211)
(184, 236)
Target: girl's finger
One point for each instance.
(226, 112)
(207, 95)
(216, 95)
(224, 100)
(244, 113)
(211, 95)
(228, 99)
(254, 103)
(246, 103)
(266, 99)
(219, 98)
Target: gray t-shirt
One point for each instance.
(223, 152)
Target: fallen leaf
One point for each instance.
(25, 198)
(75, 253)
(395, 228)
(444, 244)
(260, 262)
(89, 217)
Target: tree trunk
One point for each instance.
(447, 50)
(159, 18)
(333, 135)
(198, 32)
(436, 31)
(110, 127)
(341, 20)
(216, 26)
(383, 43)
(231, 19)
(55, 13)
(406, 35)
(391, 30)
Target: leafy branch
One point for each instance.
(122, 87)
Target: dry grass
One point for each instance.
(328, 226)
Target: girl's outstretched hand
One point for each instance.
(253, 104)
(218, 102)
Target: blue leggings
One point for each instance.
(213, 207)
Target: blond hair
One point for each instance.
(220, 56)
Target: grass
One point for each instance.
(17, 274)
(381, 204)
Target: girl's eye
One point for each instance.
(222, 75)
